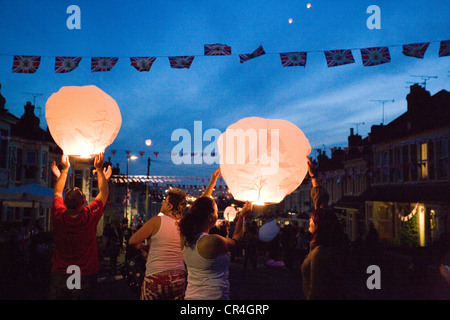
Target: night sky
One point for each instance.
(324, 102)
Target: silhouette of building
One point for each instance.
(400, 170)
(26, 154)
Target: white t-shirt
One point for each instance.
(207, 278)
(165, 252)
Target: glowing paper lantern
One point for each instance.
(290, 20)
(308, 5)
(263, 160)
(229, 214)
(268, 231)
(148, 142)
(83, 121)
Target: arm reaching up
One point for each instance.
(102, 181)
(315, 182)
(212, 183)
(61, 176)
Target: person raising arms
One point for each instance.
(165, 271)
(207, 255)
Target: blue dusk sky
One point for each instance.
(324, 102)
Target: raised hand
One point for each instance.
(107, 172)
(65, 162)
(248, 207)
(55, 170)
(98, 161)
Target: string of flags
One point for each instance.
(410, 215)
(370, 57)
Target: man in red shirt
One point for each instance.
(74, 227)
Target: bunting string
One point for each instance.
(371, 56)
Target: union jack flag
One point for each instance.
(66, 64)
(293, 59)
(103, 63)
(142, 63)
(26, 64)
(181, 62)
(338, 57)
(375, 56)
(217, 50)
(444, 49)
(257, 53)
(415, 50)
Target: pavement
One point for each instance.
(281, 283)
(266, 283)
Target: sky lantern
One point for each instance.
(268, 231)
(229, 214)
(83, 121)
(263, 160)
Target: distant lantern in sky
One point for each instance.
(148, 142)
(229, 214)
(263, 160)
(308, 5)
(290, 20)
(83, 121)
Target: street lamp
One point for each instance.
(148, 143)
(128, 189)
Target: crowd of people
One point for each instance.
(186, 252)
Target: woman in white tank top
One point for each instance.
(165, 275)
(207, 255)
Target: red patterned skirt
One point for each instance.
(167, 285)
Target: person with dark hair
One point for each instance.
(207, 255)
(75, 233)
(165, 272)
(322, 268)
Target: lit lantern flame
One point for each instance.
(290, 20)
(83, 121)
(263, 160)
(308, 5)
(148, 142)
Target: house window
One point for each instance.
(44, 167)
(3, 148)
(385, 169)
(431, 161)
(423, 161)
(414, 163)
(405, 163)
(30, 165)
(18, 161)
(78, 179)
(441, 159)
(31, 158)
(397, 166)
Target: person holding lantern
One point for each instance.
(165, 272)
(75, 234)
(207, 255)
(323, 266)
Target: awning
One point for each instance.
(27, 196)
